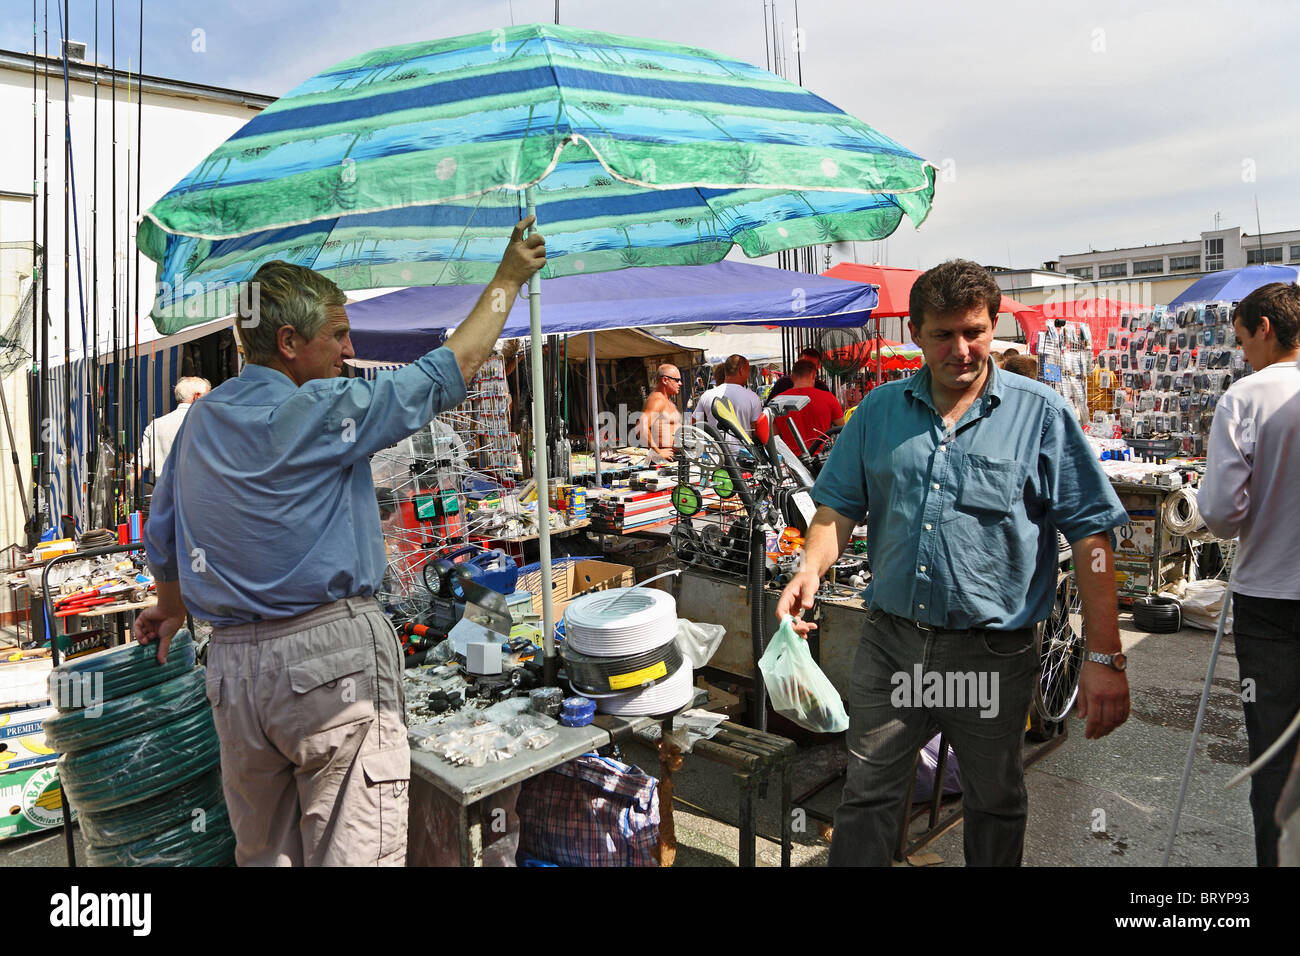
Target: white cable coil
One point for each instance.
(1182, 514)
(672, 693)
(620, 622)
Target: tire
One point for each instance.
(1061, 648)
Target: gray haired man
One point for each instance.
(267, 526)
(160, 434)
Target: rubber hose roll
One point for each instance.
(1157, 615)
(118, 672)
(136, 821)
(602, 675)
(75, 731)
(198, 840)
(145, 765)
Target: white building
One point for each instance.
(1216, 249)
(180, 124)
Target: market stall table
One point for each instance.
(467, 786)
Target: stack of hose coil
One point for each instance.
(140, 759)
(620, 649)
(1182, 513)
(1157, 615)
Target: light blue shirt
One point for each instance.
(961, 530)
(266, 507)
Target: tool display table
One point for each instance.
(468, 787)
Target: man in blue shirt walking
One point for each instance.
(964, 474)
(264, 521)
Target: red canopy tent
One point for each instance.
(1100, 315)
(894, 286)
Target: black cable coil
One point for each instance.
(606, 675)
(1157, 615)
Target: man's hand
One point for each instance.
(1103, 699)
(523, 256)
(158, 624)
(798, 597)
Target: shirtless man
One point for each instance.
(660, 417)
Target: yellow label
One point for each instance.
(637, 678)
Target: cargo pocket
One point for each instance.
(212, 688)
(388, 777)
(333, 689)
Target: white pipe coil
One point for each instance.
(620, 622)
(1182, 514)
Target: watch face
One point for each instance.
(1119, 661)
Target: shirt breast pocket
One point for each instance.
(989, 486)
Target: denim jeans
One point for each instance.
(889, 720)
(1266, 632)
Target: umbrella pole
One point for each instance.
(539, 460)
(595, 428)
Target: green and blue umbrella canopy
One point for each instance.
(406, 166)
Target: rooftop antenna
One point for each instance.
(1259, 231)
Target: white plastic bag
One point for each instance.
(796, 685)
(1202, 602)
(698, 642)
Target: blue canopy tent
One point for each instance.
(402, 326)
(1232, 285)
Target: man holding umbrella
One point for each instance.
(268, 527)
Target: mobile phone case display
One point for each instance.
(1064, 361)
(1169, 368)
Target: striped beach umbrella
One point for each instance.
(406, 166)
(411, 164)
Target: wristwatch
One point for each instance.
(1114, 661)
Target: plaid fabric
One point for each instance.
(591, 811)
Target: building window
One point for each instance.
(1148, 266)
(1085, 272)
(1213, 254)
(1178, 263)
(1295, 253)
(1257, 256)
(1112, 270)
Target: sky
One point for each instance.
(1058, 127)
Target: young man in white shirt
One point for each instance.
(1251, 477)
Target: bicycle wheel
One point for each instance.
(1061, 649)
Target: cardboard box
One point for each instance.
(31, 800)
(1137, 538)
(22, 739)
(582, 577)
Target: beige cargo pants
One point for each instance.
(314, 755)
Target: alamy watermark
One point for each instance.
(78, 692)
(948, 689)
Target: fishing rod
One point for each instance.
(139, 157)
(68, 278)
(81, 282)
(119, 463)
(92, 421)
(128, 377)
(34, 373)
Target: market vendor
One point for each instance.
(660, 418)
(266, 524)
(964, 474)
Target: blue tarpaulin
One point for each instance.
(1233, 285)
(402, 326)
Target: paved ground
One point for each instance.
(1092, 803)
